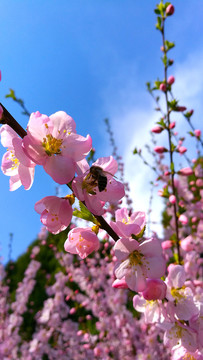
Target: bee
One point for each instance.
(99, 178)
(95, 177)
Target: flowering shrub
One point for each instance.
(89, 302)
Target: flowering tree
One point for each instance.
(134, 297)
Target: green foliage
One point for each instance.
(84, 214)
(166, 218)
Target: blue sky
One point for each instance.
(92, 58)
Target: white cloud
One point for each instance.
(131, 124)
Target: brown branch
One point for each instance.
(8, 119)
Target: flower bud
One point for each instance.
(1, 111)
(157, 129)
(187, 243)
(186, 171)
(172, 125)
(170, 10)
(156, 289)
(167, 244)
(197, 132)
(199, 182)
(171, 80)
(182, 149)
(160, 149)
(162, 87)
(183, 219)
(172, 199)
(181, 108)
(120, 284)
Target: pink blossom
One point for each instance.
(172, 199)
(56, 213)
(138, 261)
(162, 87)
(126, 225)
(85, 186)
(170, 9)
(81, 241)
(197, 132)
(156, 289)
(186, 171)
(167, 244)
(52, 142)
(120, 284)
(180, 298)
(183, 219)
(199, 182)
(15, 163)
(157, 129)
(152, 310)
(182, 149)
(160, 149)
(180, 335)
(171, 80)
(187, 244)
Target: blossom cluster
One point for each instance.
(164, 275)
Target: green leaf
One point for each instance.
(140, 235)
(191, 133)
(11, 95)
(165, 60)
(135, 151)
(168, 45)
(161, 122)
(172, 167)
(84, 213)
(158, 24)
(173, 147)
(157, 11)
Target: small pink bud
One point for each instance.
(120, 284)
(191, 112)
(197, 132)
(97, 351)
(186, 171)
(172, 199)
(194, 219)
(171, 80)
(183, 219)
(156, 289)
(172, 125)
(170, 10)
(1, 111)
(162, 48)
(171, 61)
(181, 108)
(72, 311)
(187, 243)
(182, 149)
(162, 87)
(167, 173)
(167, 244)
(192, 182)
(79, 333)
(199, 182)
(160, 149)
(193, 188)
(157, 129)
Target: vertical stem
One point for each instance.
(171, 150)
